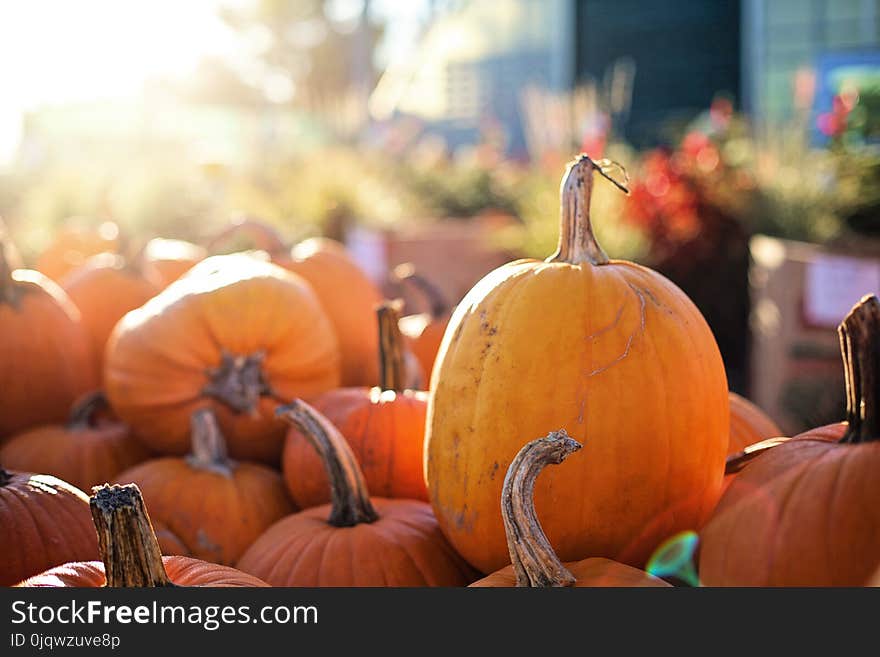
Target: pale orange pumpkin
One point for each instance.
(73, 244)
(165, 260)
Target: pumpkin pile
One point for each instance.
(249, 412)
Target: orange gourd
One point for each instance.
(87, 451)
(73, 244)
(234, 501)
(165, 260)
(234, 334)
(624, 357)
(130, 555)
(355, 540)
(533, 562)
(384, 426)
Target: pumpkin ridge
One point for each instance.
(36, 523)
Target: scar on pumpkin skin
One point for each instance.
(608, 327)
(632, 336)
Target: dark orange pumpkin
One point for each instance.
(384, 426)
(45, 355)
(166, 260)
(130, 552)
(214, 506)
(235, 334)
(45, 522)
(424, 331)
(804, 512)
(87, 451)
(748, 424)
(355, 541)
(75, 243)
(534, 563)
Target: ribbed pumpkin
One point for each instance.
(355, 541)
(214, 506)
(45, 522)
(73, 244)
(534, 564)
(424, 331)
(748, 424)
(165, 260)
(384, 426)
(45, 355)
(87, 451)
(234, 334)
(606, 349)
(804, 512)
(130, 555)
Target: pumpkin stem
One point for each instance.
(436, 301)
(534, 561)
(9, 291)
(83, 412)
(392, 352)
(577, 243)
(126, 540)
(239, 381)
(5, 477)
(208, 445)
(859, 334)
(350, 500)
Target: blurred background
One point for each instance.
(435, 132)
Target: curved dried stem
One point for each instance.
(437, 304)
(207, 444)
(859, 334)
(239, 381)
(82, 414)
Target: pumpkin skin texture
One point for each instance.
(46, 523)
(166, 260)
(803, 512)
(748, 424)
(73, 245)
(355, 541)
(384, 426)
(130, 553)
(235, 335)
(44, 350)
(236, 502)
(630, 362)
(534, 563)
(86, 452)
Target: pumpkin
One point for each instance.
(87, 451)
(130, 555)
(233, 502)
(45, 523)
(45, 356)
(166, 260)
(73, 244)
(424, 331)
(384, 426)
(803, 512)
(168, 541)
(104, 289)
(248, 233)
(533, 562)
(234, 334)
(626, 358)
(748, 424)
(355, 540)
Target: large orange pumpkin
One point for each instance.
(601, 348)
(45, 355)
(424, 331)
(354, 541)
(75, 243)
(165, 260)
(384, 425)
(130, 553)
(87, 451)
(533, 562)
(235, 334)
(803, 511)
(45, 522)
(234, 502)
(748, 424)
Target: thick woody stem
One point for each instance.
(350, 500)
(83, 412)
(577, 243)
(126, 541)
(534, 561)
(238, 381)
(392, 350)
(859, 334)
(207, 443)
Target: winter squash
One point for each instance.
(45, 356)
(165, 260)
(45, 523)
(424, 331)
(234, 502)
(245, 233)
(355, 540)
(384, 426)
(803, 512)
(748, 424)
(87, 451)
(533, 562)
(73, 244)
(234, 334)
(130, 555)
(104, 288)
(624, 357)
